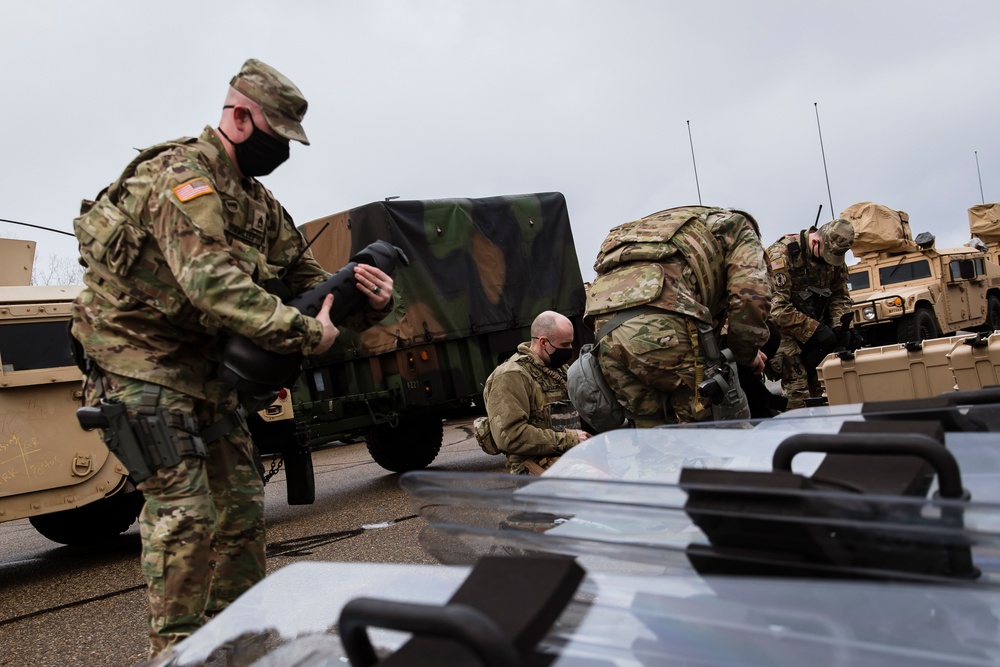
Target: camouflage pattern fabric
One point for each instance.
(202, 526)
(649, 363)
(693, 263)
(522, 396)
(280, 100)
(177, 263)
(177, 251)
(796, 383)
(838, 237)
(493, 263)
(793, 271)
(798, 312)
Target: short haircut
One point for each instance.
(547, 324)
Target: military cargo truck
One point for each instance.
(60, 477)
(480, 271)
(904, 289)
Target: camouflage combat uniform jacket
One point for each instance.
(528, 408)
(175, 262)
(797, 311)
(701, 262)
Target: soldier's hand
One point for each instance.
(758, 364)
(330, 331)
(581, 435)
(375, 284)
(823, 339)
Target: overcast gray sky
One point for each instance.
(453, 98)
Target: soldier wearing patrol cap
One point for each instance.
(809, 296)
(178, 252)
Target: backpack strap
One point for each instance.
(702, 252)
(621, 318)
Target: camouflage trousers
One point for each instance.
(796, 383)
(530, 465)
(202, 526)
(649, 363)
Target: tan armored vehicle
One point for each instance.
(905, 289)
(984, 224)
(60, 477)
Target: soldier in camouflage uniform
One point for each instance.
(809, 283)
(530, 416)
(177, 251)
(671, 271)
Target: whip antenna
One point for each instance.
(48, 229)
(981, 195)
(823, 153)
(693, 163)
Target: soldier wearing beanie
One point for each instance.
(177, 253)
(809, 288)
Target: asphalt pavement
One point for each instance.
(84, 606)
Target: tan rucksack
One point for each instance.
(481, 429)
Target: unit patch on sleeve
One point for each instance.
(780, 279)
(196, 187)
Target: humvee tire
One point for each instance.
(96, 522)
(410, 445)
(919, 325)
(992, 313)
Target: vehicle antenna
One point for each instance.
(695, 164)
(816, 224)
(981, 195)
(311, 241)
(48, 229)
(823, 152)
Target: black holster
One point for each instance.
(153, 440)
(721, 384)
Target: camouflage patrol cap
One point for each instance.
(838, 237)
(280, 100)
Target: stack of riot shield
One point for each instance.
(845, 535)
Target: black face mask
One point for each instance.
(260, 153)
(559, 356)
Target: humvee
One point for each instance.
(58, 476)
(479, 272)
(984, 224)
(904, 289)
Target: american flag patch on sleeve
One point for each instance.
(196, 187)
(778, 264)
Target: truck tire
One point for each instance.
(992, 313)
(410, 445)
(96, 522)
(919, 325)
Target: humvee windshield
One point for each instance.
(28, 346)
(859, 280)
(904, 272)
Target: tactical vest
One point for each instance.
(638, 259)
(112, 243)
(809, 290)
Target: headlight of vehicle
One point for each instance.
(868, 313)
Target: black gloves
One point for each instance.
(820, 344)
(823, 338)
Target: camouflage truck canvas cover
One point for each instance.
(878, 227)
(984, 222)
(476, 266)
